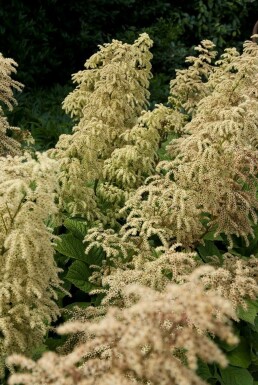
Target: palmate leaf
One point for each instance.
(71, 247)
(74, 248)
(210, 236)
(37, 352)
(204, 371)
(241, 355)
(95, 256)
(209, 249)
(76, 226)
(78, 274)
(236, 376)
(250, 314)
(240, 247)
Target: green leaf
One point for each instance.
(53, 343)
(95, 256)
(83, 305)
(203, 371)
(210, 236)
(67, 286)
(37, 352)
(208, 250)
(78, 274)
(241, 355)
(71, 247)
(236, 376)
(234, 252)
(226, 347)
(254, 345)
(76, 226)
(33, 185)
(254, 327)
(249, 314)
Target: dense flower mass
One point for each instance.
(156, 339)
(162, 207)
(8, 145)
(28, 271)
(211, 180)
(111, 93)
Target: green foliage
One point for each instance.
(227, 26)
(76, 265)
(79, 274)
(235, 376)
(71, 247)
(250, 314)
(39, 111)
(241, 355)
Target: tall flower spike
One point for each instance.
(210, 183)
(110, 95)
(29, 275)
(7, 66)
(130, 165)
(190, 85)
(8, 145)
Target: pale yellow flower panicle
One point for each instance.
(191, 84)
(111, 93)
(211, 181)
(139, 156)
(7, 84)
(130, 165)
(28, 271)
(8, 145)
(157, 340)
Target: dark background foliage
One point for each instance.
(52, 39)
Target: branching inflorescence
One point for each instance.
(156, 339)
(210, 183)
(8, 145)
(29, 274)
(111, 93)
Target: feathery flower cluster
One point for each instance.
(7, 66)
(8, 145)
(130, 165)
(28, 271)
(236, 279)
(191, 84)
(210, 183)
(157, 339)
(110, 95)
(147, 270)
